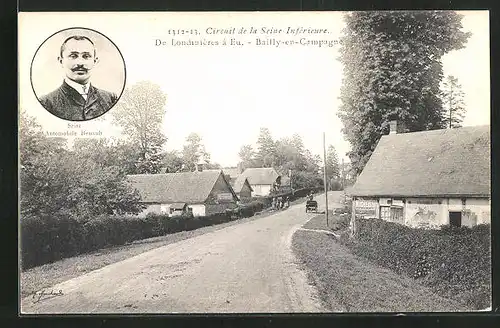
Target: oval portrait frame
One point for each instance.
(124, 83)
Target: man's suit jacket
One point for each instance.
(66, 103)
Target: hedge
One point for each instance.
(454, 262)
(48, 239)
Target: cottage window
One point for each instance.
(397, 214)
(385, 213)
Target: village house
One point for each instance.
(262, 180)
(242, 189)
(231, 173)
(427, 179)
(203, 192)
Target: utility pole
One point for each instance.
(324, 182)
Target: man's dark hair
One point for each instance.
(78, 38)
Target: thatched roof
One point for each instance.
(260, 176)
(239, 183)
(186, 187)
(232, 172)
(449, 162)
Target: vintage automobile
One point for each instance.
(311, 206)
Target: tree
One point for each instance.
(247, 157)
(140, 113)
(453, 101)
(172, 162)
(193, 151)
(108, 152)
(332, 163)
(392, 71)
(266, 151)
(43, 180)
(56, 181)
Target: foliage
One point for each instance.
(332, 163)
(456, 263)
(247, 157)
(172, 162)
(392, 70)
(79, 183)
(453, 101)
(284, 155)
(303, 179)
(266, 151)
(249, 209)
(193, 151)
(140, 113)
(107, 152)
(48, 239)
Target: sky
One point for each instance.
(225, 94)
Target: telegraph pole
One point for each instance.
(324, 183)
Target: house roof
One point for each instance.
(239, 183)
(260, 176)
(449, 162)
(185, 187)
(233, 172)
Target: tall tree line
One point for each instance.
(392, 71)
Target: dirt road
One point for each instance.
(243, 268)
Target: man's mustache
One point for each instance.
(79, 69)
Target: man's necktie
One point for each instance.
(84, 94)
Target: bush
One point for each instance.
(455, 262)
(48, 239)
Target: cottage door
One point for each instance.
(455, 219)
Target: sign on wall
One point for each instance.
(225, 196)
(366, 207)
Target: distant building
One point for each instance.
(204, 192)
(231, 173)
(262, 180)
(428, 178)
(242, 189)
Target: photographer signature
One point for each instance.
(39, 295)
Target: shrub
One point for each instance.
(455, 262)
(48, 239)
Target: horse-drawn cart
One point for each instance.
(311, 206)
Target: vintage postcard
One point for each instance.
(254, 162)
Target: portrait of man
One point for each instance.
(77, 98)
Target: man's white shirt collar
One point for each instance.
(78, 87)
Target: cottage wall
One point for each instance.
(480, 209)
(261, 190)
(246, 193)
(425, 212)
(220, 198)
(198, 209)
(155, 208)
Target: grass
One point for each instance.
(356, 284)
(47, 275)
(319, 222)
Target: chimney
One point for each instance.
(393, 126)
(200, 164)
